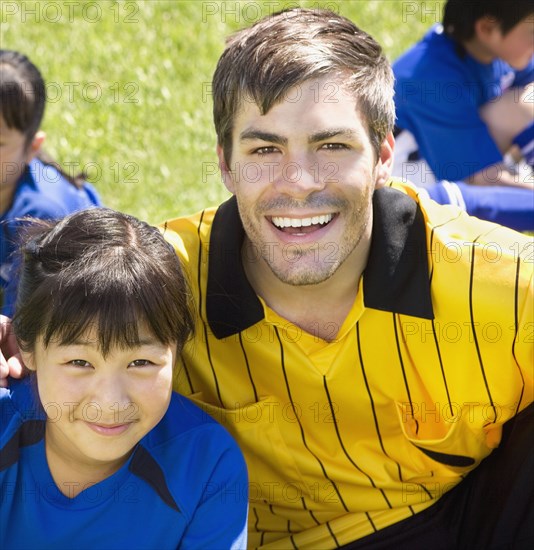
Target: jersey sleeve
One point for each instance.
(220, 520)
(450, 134)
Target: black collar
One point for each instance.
(396, 278)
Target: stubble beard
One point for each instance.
(316, 263)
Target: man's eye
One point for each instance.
(267, 150)
(140, 363)
(334, 146)
(82, 363)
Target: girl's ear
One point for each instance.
(28, 360)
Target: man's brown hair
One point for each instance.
(263, 62)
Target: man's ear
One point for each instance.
(35, 145)
(226, 174)
(28, 360)
(385, 162)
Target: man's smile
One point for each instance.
(304, 225)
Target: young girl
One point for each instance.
(95, 449)
(31, 183)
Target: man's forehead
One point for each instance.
(312, 102)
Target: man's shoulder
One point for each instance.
(188, 234)
(452, 224)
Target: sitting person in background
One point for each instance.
(32, 184)
(95, 449)
(464, 102)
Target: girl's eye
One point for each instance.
(140, 363)
(82, 363)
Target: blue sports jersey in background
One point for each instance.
(438, 94)
(41, 192)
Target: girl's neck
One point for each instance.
(73, 474)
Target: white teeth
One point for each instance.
(301, 222)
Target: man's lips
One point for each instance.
(301, 225)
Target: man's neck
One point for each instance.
(314, 308)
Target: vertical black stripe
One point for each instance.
(199, 265)
(516, 330)
(187, 375)
(371, 522)
(431, 244)
(282, 364)
(475, 338)
(379, 435)
(208, 350)
(256, 399)
(401, 362)
(254, 511)
(332, 534)
(436, 340)
(200, 302)
(293, 542)
(438, 351)
(184, 365)
(407, 390)
(371, 481)
(309, 511)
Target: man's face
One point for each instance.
(303, 175)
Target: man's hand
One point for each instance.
(10, 359)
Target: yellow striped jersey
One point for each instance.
(344, 438)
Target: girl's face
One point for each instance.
(98, 407)
(14, 154)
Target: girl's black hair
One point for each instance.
(104, 270)
(22, 103)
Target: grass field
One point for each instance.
(129, 86)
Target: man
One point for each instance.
(325, 321)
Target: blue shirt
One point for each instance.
(438, 94)
(41, 192)
(184, 486)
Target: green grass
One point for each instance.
(128, 86)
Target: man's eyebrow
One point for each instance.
(347, 133)
(251, 134)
